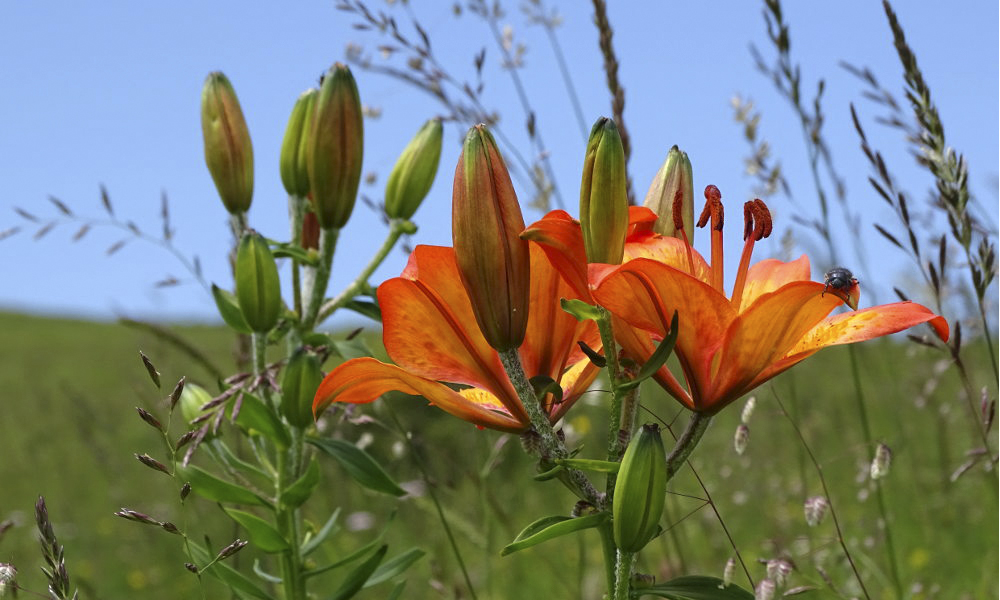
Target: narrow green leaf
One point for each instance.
(297, 493)
(353, 348)
(549, 474)
(694, 587)
(285, 250)
(210, 487)
(229, 309)
(261, 533)
(356, 579)
(366, 309)
(353, 556)
(260, 572)
(548, 528)
(395, 566)
(226, 574)
(359, 464)
(310, 544)
(586, 464)
(580, 310)
(658, 358)
(254, 414)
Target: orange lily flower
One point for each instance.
(726, 345)
(430, 333)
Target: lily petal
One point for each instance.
(365, 379)
(860, 325)
(560, 237)
(770, 274)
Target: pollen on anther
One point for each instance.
(713, 208)
(678, 210)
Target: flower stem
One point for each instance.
(327, 245)
(296, 213)
(685, 444)
(396, 230)
(552, 446)
(623, 574)
(616, 441)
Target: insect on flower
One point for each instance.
(840, 279)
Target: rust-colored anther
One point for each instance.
(678, 210)
(756, 220)
(713, 208)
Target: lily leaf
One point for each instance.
(297, 493)
(580, 310)
(658, 358)
(395, 566)
(359, 464)
(310, 544)
(587, 464)
(285, 250)
(356, 579)
(694, 587)
(229, 309)
(366, 309)
(547, 528)
(210, 487)
(261, 533)
(256, 415)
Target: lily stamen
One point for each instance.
(756, 226)
(713, 209)
(678, 216)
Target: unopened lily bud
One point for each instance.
(193, 398)
(671, 195)
(292, 164)
(486, 225)
(640, 491)
(336, 146)
(257, 286)
(414, 172)
(299, 382)
(603, 195)
(228, 151)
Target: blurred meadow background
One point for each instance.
(103, 99)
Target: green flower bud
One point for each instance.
(257, 287)
(603, 195)
(671, 195)
(492, 258)
(294, 174)
(414, 172)
(228, 151)
(335, 148)
(640, 490)
(192, 399)
(299, 382)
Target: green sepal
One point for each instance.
(261, 533)
(236, 581)
(229, 310)
(656, 360)
(357, 578)
(256, 415)
(359, 465)
(694, 587)
(547, 528)
(587, 464)
(297, 493)
(580, 310)
(394, 566)
(210, 487)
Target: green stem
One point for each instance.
(296, 214)
(292, 579)
(989, 339)
(396, 230)
(552, 446)
(623, 574)
(609, 551)
(327, 245)
(686, 442)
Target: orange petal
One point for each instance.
(669, 251)
(560, 237)
(574, 382)
(640, 222)
(365, 379)
(766, 332)
(770, 274)
(429, 328)
(860, 325)
(646, 293)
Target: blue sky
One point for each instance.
(108, 92)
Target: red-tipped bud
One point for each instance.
(492, 259)
(336, 146)
(228, 151)
(603, 195)
(671, 196)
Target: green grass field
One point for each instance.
(69, 429)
